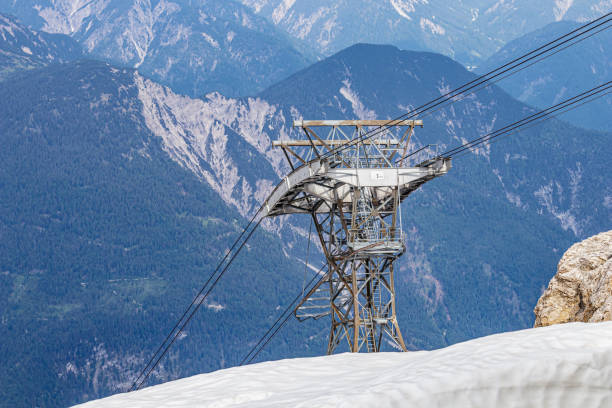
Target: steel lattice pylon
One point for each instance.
(353, 187)
(361, 296)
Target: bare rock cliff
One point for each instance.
(581, 291)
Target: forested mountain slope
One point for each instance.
(569, 72)
(105, 240)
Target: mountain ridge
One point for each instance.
(193, 46)
(22, 48)
(569, 72)
(469, 31)
(105, 237)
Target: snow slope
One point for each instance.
(566, 365)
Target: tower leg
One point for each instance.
(362, 294)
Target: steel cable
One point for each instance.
(173, 333)
(449, 96)
(567, 109)
(531, 118)
(254, 350)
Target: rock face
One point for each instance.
(581, 291)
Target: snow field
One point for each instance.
(558, 366)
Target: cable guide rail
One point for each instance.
(334, 150)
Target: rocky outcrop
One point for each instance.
(581, 291)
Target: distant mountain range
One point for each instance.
(467, 30)
(239, 47)
(22, 48)
(194, 46)
(569, 72)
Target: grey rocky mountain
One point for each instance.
(193, 46)
(466, 30)
(240, 47)
(22, 48)
(580, 291)
(105, 238)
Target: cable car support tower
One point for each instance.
(353, 187)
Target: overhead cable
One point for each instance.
(278, 324)
(584, 97)
(540, 52)
(198, 300)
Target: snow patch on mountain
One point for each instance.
(256, 5)
(281, 10)
(7, 26)
(68, 16)
(561, 7)
(515, 199)
(405, 7)
(565, 366)
(210, 40)
(474, 12)
(327, 34)
(359, 108)
(551, 198)
(600, 8)
(214, 306)
(304, 24)
(428, 25)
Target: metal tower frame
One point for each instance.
(352, 184)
